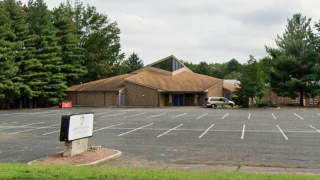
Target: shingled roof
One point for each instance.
(109, 84)
(230, 87)
(182, 82)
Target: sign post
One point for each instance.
(75, 131)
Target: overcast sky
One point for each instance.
(214, 31)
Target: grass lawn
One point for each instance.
(23, 171)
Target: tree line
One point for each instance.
(44, 51)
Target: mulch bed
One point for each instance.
(83, 158)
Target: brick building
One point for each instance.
(284, 101)
(167, 82)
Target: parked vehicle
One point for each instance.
(216, 101)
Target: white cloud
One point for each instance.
(200, 30)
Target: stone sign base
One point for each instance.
(75, 147)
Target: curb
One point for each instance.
(95, 163)
(101, 161)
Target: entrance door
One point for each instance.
(228, 96)
(121, 100)
(177, 99)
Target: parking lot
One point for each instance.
(236, 137)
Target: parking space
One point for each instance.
(288, 137)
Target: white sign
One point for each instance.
(80, 126)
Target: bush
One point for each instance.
(261, 105)
(240, 101)
(274, 105)
(245, 105)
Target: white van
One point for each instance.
(216, 101)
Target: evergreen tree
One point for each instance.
(50, 81)
(71, 52)
(252, 82)
(98, 37)
(8, 68)
(14, 36)
(132, 63)
(234, 66)
(295, 60)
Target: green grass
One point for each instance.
(23, 171)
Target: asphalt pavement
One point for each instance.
(239, 138)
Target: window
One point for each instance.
(315, 101)
(168, 65)
(292, 100)
(283, 100)
(311, 101)
(279, 100)
(297, 100)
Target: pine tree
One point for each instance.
(7, 65)
(99, 38)
(252, 82)
(51, 81)
(295, 60)
(14, 34)
(71, 50)
(131, 64)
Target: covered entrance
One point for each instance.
(177, 99)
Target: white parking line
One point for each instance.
(135, 130)
(34, 129)
(202, 115)
(157, 115)
(274, 116)
(298, 116)
(12, 114)
(107, 127)
(244, 127)
(101, 113)
(32, 114)
(135, 115)
(282, 133)
(249, 115)
(51, 132)
(225, 116)
(318, 114)
(114, 114)
(22, 126)
(178, 115)
(169, 130)
(315, 128)
(206, 131)
(10, 123)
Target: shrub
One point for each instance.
(274, 105)
(245, 105)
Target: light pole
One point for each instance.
(268, 59)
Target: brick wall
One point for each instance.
(284, 101)
(71, 96)
(3, 104)
(162, 100)
(189, 99)
(75, 147)
(216, 91)
(112, 99)
(90, 98)
(137, 95)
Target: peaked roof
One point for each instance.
(109, 84)
(229, 86)
(182, 82)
